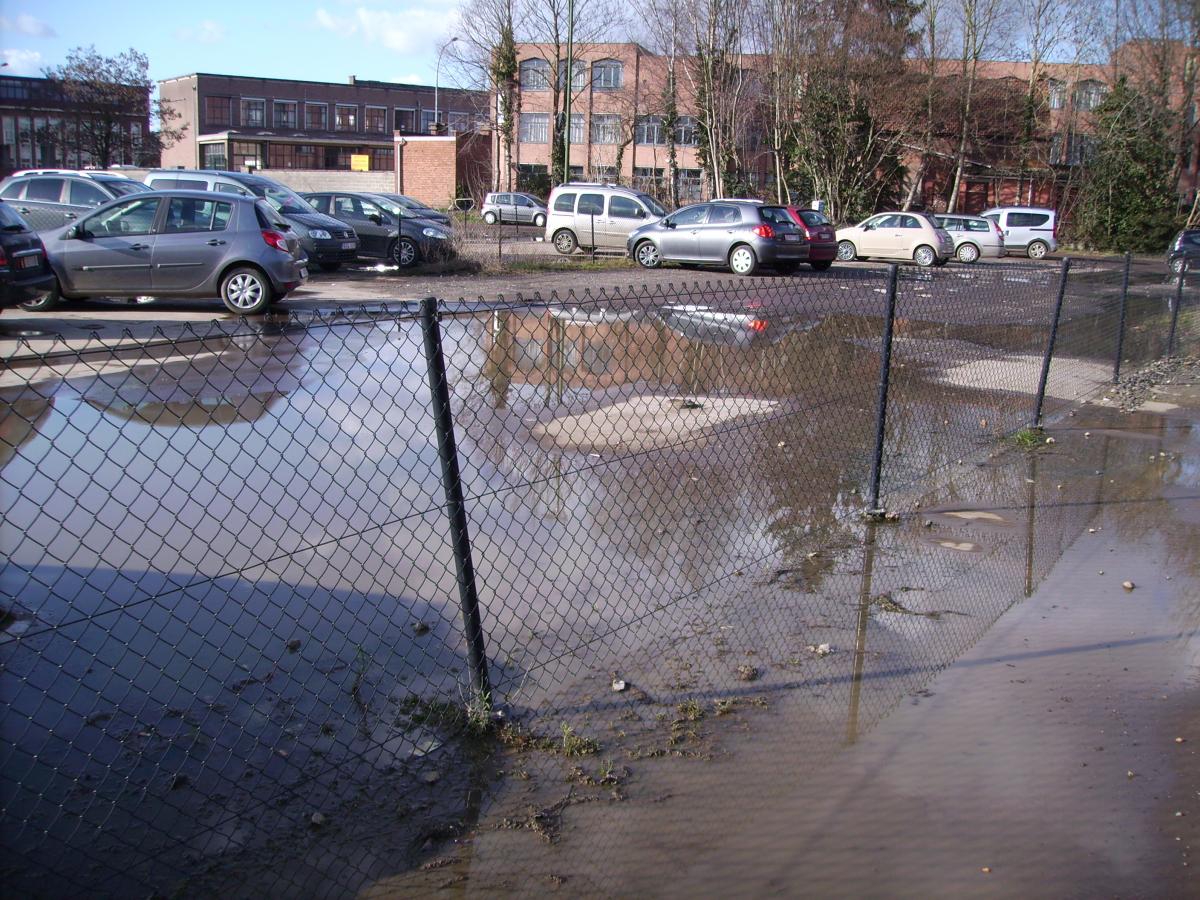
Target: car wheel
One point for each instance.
(647, 255)
(1176, 267)
(821, 265)
(489, 218)
(787, 268)
(329, 266)
(539, 221)
(846, 251)
(742, 260)
(565, 243)
(46, 301)
(1037, 250)
(967, 253)
(406, 253)
(924, 256)
(246, 291)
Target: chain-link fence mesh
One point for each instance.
(234, 651)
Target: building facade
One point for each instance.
(40, 127)
(240, 122)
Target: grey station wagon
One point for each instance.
(48, 198)
(177, 244)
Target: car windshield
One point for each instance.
(123, 187)
(285, 200)
(653, 205)
(407, 202)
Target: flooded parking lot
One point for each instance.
(232, 610)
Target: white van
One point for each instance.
(597, 215)
(1029, 229)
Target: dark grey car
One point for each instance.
(178, 244)
(385, 229)
(48, 198)
(417, 208)
(738, 234)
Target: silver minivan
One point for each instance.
(1031, 230)
(597, 215)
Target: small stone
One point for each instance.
(1130, 774)
(317, 820)
(293, 645)
(1180, 740)
(1128, 585)
(747, 673)
(618, 685)
(1087, 434)
(986, 870)
(420, 628)
(1050, 440)
(1091, 531)
(1101, 571)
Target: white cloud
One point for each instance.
(22, 62)
(207, 32)
(27, 25)
(417, 29)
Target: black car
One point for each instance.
(386, 230)
(25, 275)
(1185, 249)
(51, 198)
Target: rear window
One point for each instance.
(84, 194)
(977, 225)
(564, 203)
(776, 215)
(49, 189)
(162, 184)
(185, 214)
(811, 217)
(10, 219)
(1027, 220)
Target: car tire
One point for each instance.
(1176, 267)
(329, 266)
(1037, 250)
(406, 253)
(564, 242)
(539, 221)
(967, 253)
(647, 255)
(489, 218)
(787, 268)
(821, 265)
(743, 260)
(46, 301)
(246, 291)
(846, 251)
(925, 256)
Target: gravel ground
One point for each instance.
(1138, 387)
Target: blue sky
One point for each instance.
(325, 40)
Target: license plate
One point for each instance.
(29, 262)
(791, 237)
(304, 273)
(347, 245)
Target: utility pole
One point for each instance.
(570, 80)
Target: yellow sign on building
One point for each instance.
(360, 162)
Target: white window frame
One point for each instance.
(526, 133)
(600, 82)
(606, 128)
(531, 64)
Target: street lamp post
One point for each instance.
(437, 78)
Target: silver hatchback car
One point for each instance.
(178, 244)
(738, 234)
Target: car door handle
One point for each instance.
(70, 216)
(139, 246)
(215, 243)
(23, 210)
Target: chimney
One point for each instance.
(353, 79)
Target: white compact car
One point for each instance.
(896, 235)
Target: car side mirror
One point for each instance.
(72, 233)
(641, 213)
(668, 223)
(376, 218)
(870, 226)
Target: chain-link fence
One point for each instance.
(266, 586)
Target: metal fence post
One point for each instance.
(885, 373)
(1058, 304)
(1175, 311)
(455, 507)
(1121, 323)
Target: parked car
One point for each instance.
(1184, 250)
(973, 236)
(48, 198)
(523, 209)
(1028, 229)
(25, 275)
(896, 235)
(327, 242)
(424, 210)
(818, 230)
(385, 229)
(599, 215)
(738, 234)
(177, 244)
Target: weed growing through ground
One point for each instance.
(1028, 438)
(690, 710)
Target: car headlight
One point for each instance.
(319, 234)
(434, 233)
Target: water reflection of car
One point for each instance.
(749, 326)
(386, 230)
(1184, 251)
(177, 244)
(25, 275)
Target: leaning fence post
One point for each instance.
(885, 373)
(1175, 311)
(456, 510)
(1121, 323)
(1058, 304)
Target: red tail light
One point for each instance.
(764, 231)
(758, 325)
(275, 239)
(3, 257)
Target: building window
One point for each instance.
(427, 121)
(459, 122)
(1089, 94)
(254, 114)
(375, 119)
(1057, 92)
(246, 154)
(650, 130)
(535, 128)
(212, 156)
(283, 114)
(687, 131)
(316, 116)
(606, 75)
(405, 120)
(606, 129)
(577, 129)
(535, 75)
(282, 156)
(604, 173)
(218, 111)
(578, 75)
(382, 159)
(346, 118)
